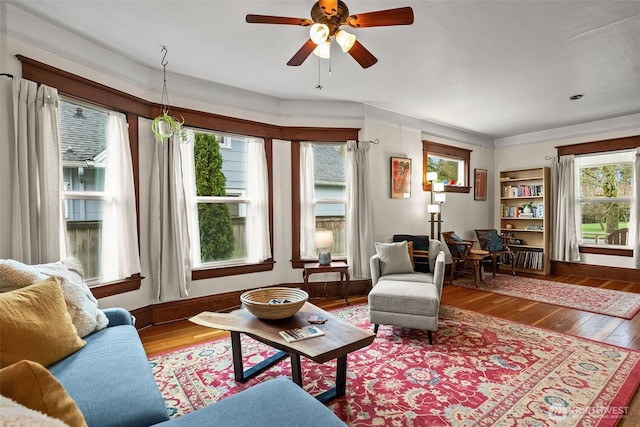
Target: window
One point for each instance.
(325, 196)
(98, 192)
(451, 164)
(604, 187)
(225, 196)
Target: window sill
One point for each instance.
(114, 288)
(210, 273)
(606, 251)
(449, 188)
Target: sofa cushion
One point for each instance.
(81, 304)
(405, 298)
(277, 402)
(36, 325)
(394, 258)
(111, 380)
(30, 384)
(14, 414)
(409, 277)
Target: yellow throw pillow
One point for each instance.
(31, 385)
(35, 325)
(410, 249)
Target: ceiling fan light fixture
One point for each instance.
(345, 40)
(323, 50)
(319, 33)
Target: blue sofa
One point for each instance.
(112, 384)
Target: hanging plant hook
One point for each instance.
(165, 125)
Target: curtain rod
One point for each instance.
(7, 74)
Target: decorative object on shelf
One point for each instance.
(480, 188)
(324, 241)
(438, 197)
(400, 178)
(274, 303)
(165, 126)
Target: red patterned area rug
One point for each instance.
(481, 371)
(586, 298)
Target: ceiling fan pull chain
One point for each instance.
(319, 87)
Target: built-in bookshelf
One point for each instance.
(525, 203)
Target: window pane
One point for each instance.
(330, 184)
(83, 142)
(222, 235)
(605, 185)
(599, 219)
(450, 171)
(221, 171)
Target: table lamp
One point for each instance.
(324, 240)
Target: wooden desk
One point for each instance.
(340, 339)
(335, 267)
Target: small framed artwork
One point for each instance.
(480, 190)
(400, 178)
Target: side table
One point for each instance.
(335, 267)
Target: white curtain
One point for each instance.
(257, 235)
(168, 229)
(307, 214)
(565, 240)
(635, 223)
(119, 256)
(359, 209)
(31, 165)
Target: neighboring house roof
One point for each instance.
(328, 165)
(83, 133)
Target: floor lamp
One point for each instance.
(435, 207)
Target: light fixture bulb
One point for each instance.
(323, 50)
(345, 40)
(319, 33)
(433, 209)
(440, 197)
(438, 186)
(432, 176)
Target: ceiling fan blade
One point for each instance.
(302, 54)
(381, 18)
(266, 19)
(329, 7)
(362, 55)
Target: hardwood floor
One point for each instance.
(611, 330)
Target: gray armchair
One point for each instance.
(405, 298)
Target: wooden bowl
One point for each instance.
(274, 303)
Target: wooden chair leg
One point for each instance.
(375, 329)
(494, 257)
(453, 272)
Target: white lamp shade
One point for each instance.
(345, 40)
(323, 50)
(432, 176)
(324, 239)
(433, 209)
(438, 186)
(440, 197)
(319, 33)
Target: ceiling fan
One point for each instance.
(327, 16)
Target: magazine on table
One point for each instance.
(303, 333)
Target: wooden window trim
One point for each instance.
(594, 147)
(429, 147)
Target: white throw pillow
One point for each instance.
(394, 258)
(81, 304)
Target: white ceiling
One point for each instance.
(498, 68)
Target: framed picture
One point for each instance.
(400, 178)
(480, 190)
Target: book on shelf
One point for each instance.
(302, 333)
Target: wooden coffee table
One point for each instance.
(340, 339)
